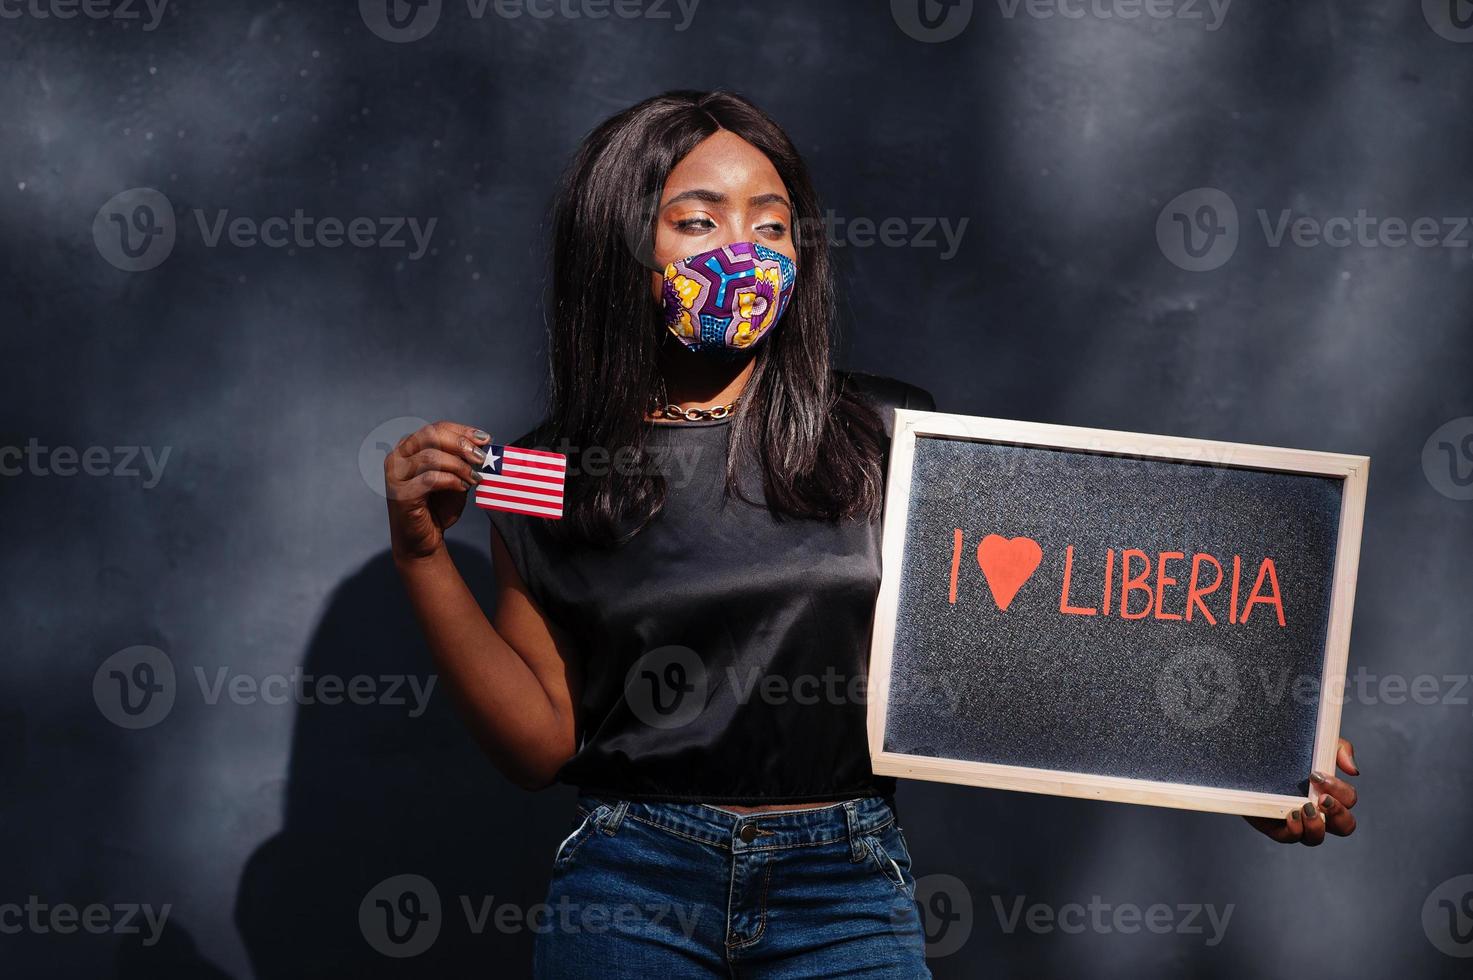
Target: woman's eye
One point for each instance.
(695, 224)
(774, 228)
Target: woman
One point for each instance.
(687, 644)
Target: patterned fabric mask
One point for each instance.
(727, 299)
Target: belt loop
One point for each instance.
(851, 818)
(610, 823)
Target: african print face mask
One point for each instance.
(726, 300)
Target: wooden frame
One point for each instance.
(1352, 470)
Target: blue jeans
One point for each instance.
(671, 890)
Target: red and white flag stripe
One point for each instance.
(522, 481)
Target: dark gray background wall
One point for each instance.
(268, 375)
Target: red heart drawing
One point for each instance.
(1007, 563)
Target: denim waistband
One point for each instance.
(763, 830)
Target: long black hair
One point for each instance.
(818, 448)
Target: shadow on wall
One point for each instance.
(400, 841)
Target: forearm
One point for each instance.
(508, 710)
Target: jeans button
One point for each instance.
(748, 831)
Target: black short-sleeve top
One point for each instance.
(724, 649)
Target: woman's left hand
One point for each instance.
(1308, 824)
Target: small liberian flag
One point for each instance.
(522, 481)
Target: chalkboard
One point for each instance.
(1113, 615)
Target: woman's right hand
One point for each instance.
(426, 478)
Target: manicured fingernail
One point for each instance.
(1350, 754)
(481, 436)
(1327, 803)
(1319, 777)
(479, 453)
(1309, 811)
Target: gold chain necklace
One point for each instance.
(661, 407)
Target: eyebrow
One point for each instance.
(714, 197)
